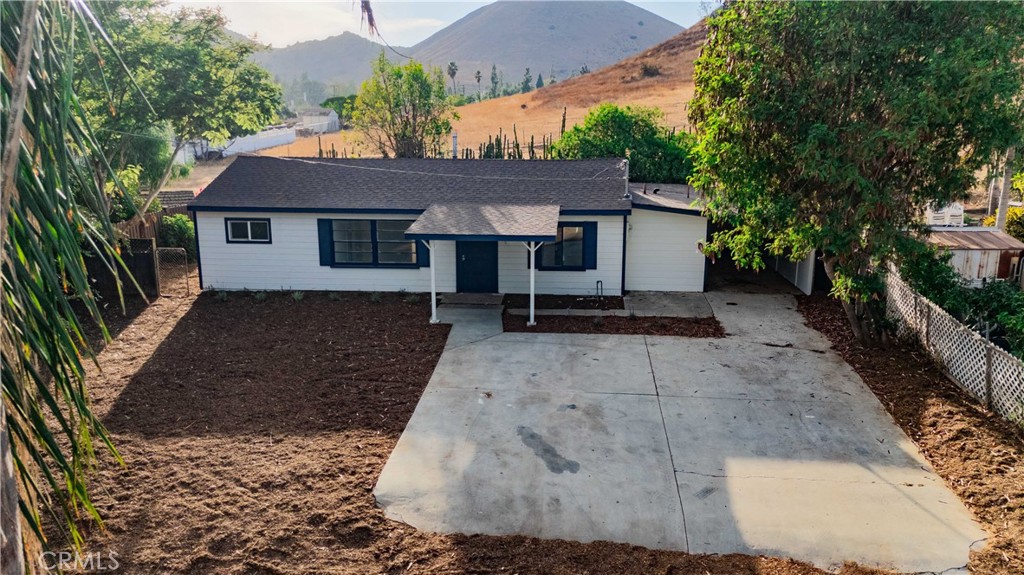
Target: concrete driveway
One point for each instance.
(763, 442)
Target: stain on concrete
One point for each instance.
(705, 493)
(566, 406)
(544, 450)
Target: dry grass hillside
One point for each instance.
(539, 113)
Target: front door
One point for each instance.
(476, 268)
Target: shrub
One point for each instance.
(178, 231)
(260, 296)
(1014, 222)
(298, 295)
(222, 296)
(376, 296)
(648, 70)
(412, 298)
(609, 131)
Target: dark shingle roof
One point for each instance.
(414, 184)
(175, 198)
(526, 223)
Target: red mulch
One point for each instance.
(678, 326)
(978, 453)
(253, 434)
(522, 301)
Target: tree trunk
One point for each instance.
(12, 544)
(1004, 195)
(856, 314)
(12, 558)
(163, 180)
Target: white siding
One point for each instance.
(514, 275)
(292, 261)
(661, 252)
(800, 274)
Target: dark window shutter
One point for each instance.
(422, 254)
(326, 235)
(590, 245)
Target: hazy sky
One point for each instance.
(283, 22)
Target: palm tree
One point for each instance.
(1004, 195)
(51, 215)
(452, 70)
(478, 76)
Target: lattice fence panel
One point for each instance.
(959, 350)
(981, 368)
(901, 307)
(1008, 386)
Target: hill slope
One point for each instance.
(539, 113)
(342, 59)
(545, 36)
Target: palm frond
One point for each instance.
(51, 217)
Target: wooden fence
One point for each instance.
(148, 226)
(981, 368)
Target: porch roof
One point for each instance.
(486, 222)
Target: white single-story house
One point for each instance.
(444, 226)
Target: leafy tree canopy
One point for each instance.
(180, 70)
(403, 110)
(610, 131)
(831, 125)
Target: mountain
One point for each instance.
(660, 77)
(344, 59)
(548, 37)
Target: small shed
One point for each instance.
(981, 253)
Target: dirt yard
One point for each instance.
(253, 433)
(980, 455)
(678, 326)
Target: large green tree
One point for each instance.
(830, 126)
(610, 131)
(403, 110)
(174, 76)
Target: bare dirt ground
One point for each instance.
(677, 326)
(979, 454)
(513, 301)
(253, 433)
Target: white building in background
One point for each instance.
(318, 121)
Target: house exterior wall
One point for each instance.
(800, 273)
(661, 251)
(978, 265)
(292, 260)
(514, 273)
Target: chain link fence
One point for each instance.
(176, 271)
(981, 368)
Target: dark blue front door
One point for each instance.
(476, 267)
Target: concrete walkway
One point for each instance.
(702, 445)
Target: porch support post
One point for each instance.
(433, 282)
(532, 247)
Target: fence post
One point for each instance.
(927, 326)
(988, 376)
